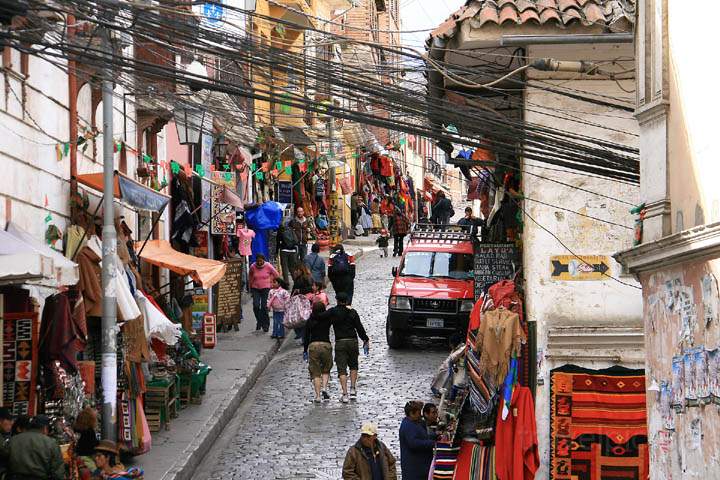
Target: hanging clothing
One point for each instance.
(499, 337)
(245, 238)
(73, 242)
(63, 331)
(90, 283)
(157, 325)
(516, 442)
(386, 169)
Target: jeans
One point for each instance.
(278, 327)
(288, 260)
(262, 317)
(398, 244)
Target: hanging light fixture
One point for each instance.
(221, 145)
(189, 123)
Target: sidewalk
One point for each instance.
(237, 360)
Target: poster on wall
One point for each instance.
(223, 214)
(206, 159)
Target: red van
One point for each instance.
(433, 288)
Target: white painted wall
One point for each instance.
(579, 322)
(30, 133)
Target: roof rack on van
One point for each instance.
(441, 233)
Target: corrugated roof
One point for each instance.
(557, 13)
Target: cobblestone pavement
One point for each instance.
(279, 434)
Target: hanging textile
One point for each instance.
(516, 439)
(444, 461)
(475, 462)
(598, 423)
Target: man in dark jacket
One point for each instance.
(369, 458)
(442, 210)
(347, 327)
(33, 454)
(416, 446)
(341, 271)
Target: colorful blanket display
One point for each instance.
(490, 433)
(598, 424)
(20, 357)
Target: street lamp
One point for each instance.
(221, 145)
(189, 123)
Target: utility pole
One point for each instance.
(109, 251)
(334, 209)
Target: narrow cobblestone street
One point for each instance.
(279, 434)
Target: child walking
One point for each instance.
(277, 300)
(383, 241)
(318, 294)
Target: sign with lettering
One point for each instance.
(284, 192)
(494, 262)
(581, 267)
(229, 294)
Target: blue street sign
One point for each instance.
(213, 12)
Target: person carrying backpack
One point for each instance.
(341, 271)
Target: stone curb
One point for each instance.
(194, 453)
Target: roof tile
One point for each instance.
(509, 13)
(551, 12)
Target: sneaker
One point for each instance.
(316, 400)
(325, 396)
(344, 399)
(353, 394)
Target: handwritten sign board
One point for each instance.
(229, 293)
(494, 262)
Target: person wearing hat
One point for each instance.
(106, 453)
(33, 454)
(369, 458)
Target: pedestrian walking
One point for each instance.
(302, 226)
(375, 213)
(302, 286)
(401, 227)
(387, 209)
(341, 271)
(416, 446)
(316, 263)
(383, 241)
(277, 302)
(317, 351)
(369, 458)
(442, 210)
(33, 454)
(288, 246)
(318, 294)
(347, 327)
(260, 278)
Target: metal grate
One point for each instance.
(432, 305)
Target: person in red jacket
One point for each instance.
(260, 281)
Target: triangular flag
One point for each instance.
(278, 165)
(265, 166)
(58, 152)
(200, 170)
(46, 201)
(146, 158)
(175, 167)
(212, 168)
(228, 177)
(226, 166)
(288, 169)
(253, 167)
(188, 170)
(287, 163)
(275, 172)
(259, 175)
(66, 149)
(48, 219)
(303, 167)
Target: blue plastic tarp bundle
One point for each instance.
(262, 219)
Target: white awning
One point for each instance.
(65, 271)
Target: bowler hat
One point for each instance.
(107, 446)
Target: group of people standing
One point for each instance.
(370, 459)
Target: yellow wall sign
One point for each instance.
(582, 267)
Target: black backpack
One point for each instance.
(289, 239)
(341, 264)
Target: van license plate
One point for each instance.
(435, 323)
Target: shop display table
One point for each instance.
(161, 402)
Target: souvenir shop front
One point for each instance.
(384, 189)
(51, 309)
